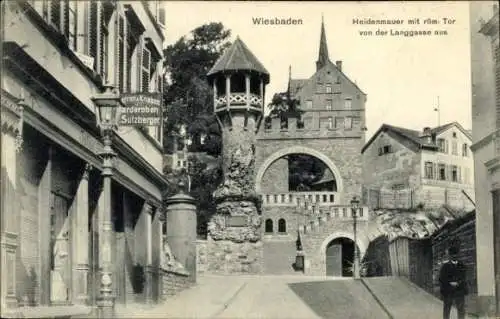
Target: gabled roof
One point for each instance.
(413, 136)
(238, 57)
(401, 134)
(442, 128)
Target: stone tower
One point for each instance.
(238, 81)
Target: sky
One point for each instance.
(403, 77)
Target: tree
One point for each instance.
(187, 93)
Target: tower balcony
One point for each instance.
(237, 100)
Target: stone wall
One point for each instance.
(173, 282)
(229, 257)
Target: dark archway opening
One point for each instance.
(282, 225)
(340, 257)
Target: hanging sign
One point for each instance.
(140, 109)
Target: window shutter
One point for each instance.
(93, 27)
(120, 54)
(146, 61)
(139, 66)
(55, 13)
(65, 18)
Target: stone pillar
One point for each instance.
(157, 250)
(148, 287)
(181, 230)
(80, 239)
(11, 117)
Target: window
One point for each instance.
(385, 150)
(71, 27)
(281, 226)
(442, 172)
(132, 41)
(145, 75)
(465, 150)
(348, 103)
(442, 145)
(309, 104)
(348, 123)
(319, 87)
(454, 173)
(429, 170)
(329, 104)
(330, 123)
(454, 135)
(328, 88)
(454, 148)
(269, 226)
(121, 54)
(339, 122)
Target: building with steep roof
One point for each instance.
(432, 167)
(330, 129)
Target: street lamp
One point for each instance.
(355, 207)
(107, 104)
(299, 258)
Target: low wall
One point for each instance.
(173, 282)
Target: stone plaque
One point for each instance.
(236, 221)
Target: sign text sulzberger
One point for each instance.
(141, 109)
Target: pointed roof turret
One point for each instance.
(323, 58)
(238, 57)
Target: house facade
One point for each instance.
(57, 56)
(485, 75)
(408, 168)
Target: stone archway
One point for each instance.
(297, 150)
(331, 238)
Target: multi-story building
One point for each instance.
(485, 68)
(408, 168)
(58, 56)
(331, 132)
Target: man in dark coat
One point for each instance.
(452, 280)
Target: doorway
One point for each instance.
(339, 257)
(60, 259)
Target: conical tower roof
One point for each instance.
(238, 57)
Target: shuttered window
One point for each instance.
(93, 18)
(120, 53)
(55, 13)
(145, 73)
(105, 15)
(132, 41)
(70, 18)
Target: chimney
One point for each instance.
(427, 135)
(339, 65)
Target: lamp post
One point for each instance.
(107, 105)
(354, 207)
(299, 258)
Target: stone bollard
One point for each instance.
(181, 230)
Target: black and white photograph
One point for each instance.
(250, 159)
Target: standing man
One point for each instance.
(452, 280)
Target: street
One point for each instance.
(293, 297)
